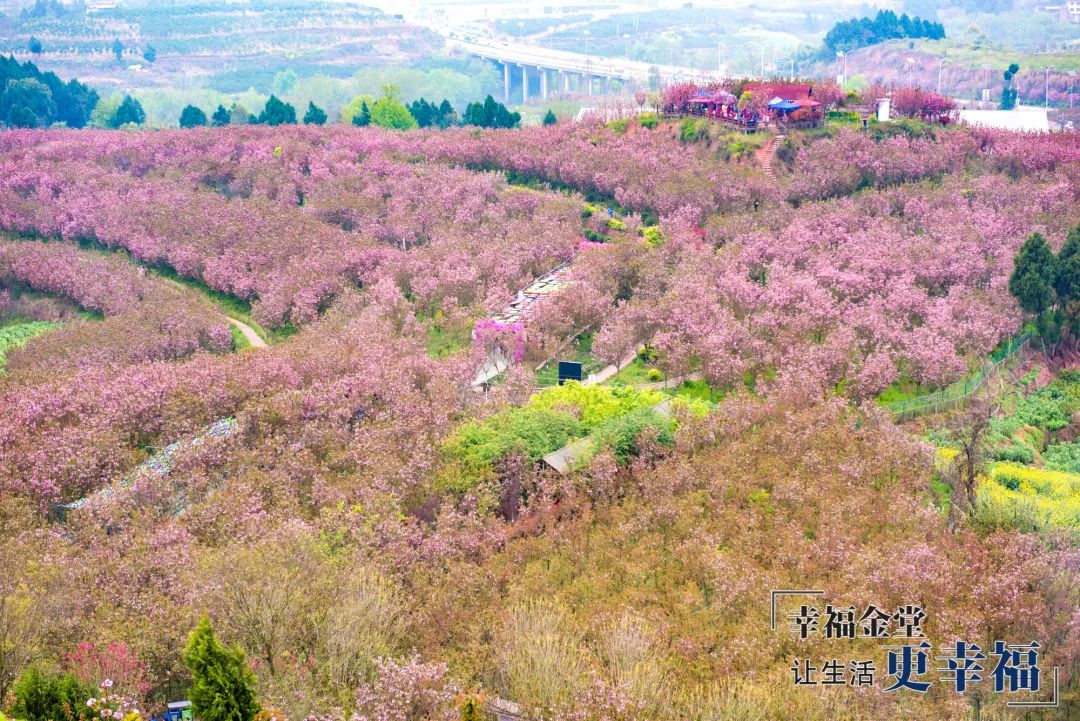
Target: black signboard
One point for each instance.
(569, 371)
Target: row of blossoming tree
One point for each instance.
(340, 538)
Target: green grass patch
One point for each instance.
(698, 390)
(15, 333)
(239, 340)
(942, 494)
(903, 389)
(445, 337)
(634, 374)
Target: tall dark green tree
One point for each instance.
(118, 50)
(277, 112)
(1032, 283)
(192, 117)
(1008, 91)
(222, 686)
(430, 115)
(424, 112)
(549, 118)
(861, 32)
(490, 114)
(26, 103)
(1067, 283)
(220, 116)
(34, 46)
(363, 118)
(447, 114)
(149, 54)
(314, 115)
(129, 112)
(72, 102)
(1034, 275)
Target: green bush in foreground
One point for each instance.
(551, 419)
(593, 405)
(222, 686)
(40, 696)
(533, 431)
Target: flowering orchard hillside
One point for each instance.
(381, 540)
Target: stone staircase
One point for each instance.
(770, 156)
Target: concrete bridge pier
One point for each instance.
(543, 83)
(565, 82)
(506, 82)
(524, 84)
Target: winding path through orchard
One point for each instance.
(248, 332)
(252, 337)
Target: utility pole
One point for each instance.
(1046, 92)
(940, 63)
(760, 46)
(587, 52)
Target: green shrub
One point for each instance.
(1050, 407)
(41, 696)
(694, 129)
(908, 127)
(1062, 457)
(738, 149)
(619, 125)
(1015, 453)
(222, 686)
(654, 375)
(15, 335)
(652, 235)
(620, 434)
(594, 405)
(648, 120)
(696, 407)
(534, 431)
(616, 224)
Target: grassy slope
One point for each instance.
(16, 332)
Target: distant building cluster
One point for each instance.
(1068, 11)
